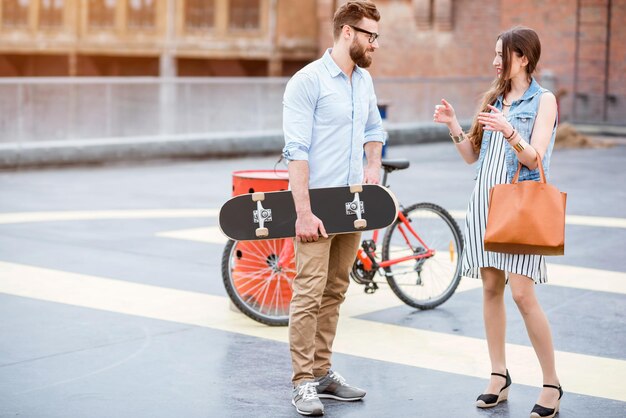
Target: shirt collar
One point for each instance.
(333, 68)
(530, 92)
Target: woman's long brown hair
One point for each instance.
(523, 42)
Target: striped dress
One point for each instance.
(492, 172)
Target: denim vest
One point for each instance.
(521, 116)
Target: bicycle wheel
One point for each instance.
(427, 282)
(255, 283)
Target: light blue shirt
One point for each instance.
(327, 120)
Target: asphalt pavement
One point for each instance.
(113, 305)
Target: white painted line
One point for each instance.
(587, 279)
(578, 220)
(457, 214)
(210, 235)
(25, 217)
(579, 373)
(573, 277)
(595, 221)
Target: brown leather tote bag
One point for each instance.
(526, 217)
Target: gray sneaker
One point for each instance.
(333, 386)
(305, 399)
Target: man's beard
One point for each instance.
(359, 55)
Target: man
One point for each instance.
(329, 117)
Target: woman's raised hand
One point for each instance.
(444, 113)
(494, 121)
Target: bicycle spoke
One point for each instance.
(278, 294)
(252, 259)
(428, 280)
(240, 280)
(253, 289)
(262, 285)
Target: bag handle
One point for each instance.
(539, 164)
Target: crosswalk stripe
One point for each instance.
(558, 274)
(579, 373)
(209, 235)
(578, 220)
(27, 217)
(23, 217)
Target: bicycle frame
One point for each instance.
(373, 264)
(368, 260)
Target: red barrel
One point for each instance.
(250, 181)
(251, 278)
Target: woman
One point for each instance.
(517, 121)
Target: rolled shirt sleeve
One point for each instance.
(299, 102)
(327, 118)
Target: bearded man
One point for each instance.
(330, 118)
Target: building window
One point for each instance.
(51, 13)
(141, 14)
(244, 14)
(199, 14)
(101, 13)
(443, 15)
(433, 14)
(15, 13)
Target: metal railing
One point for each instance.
(59, 109)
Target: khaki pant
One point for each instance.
(319, 288)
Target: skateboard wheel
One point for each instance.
(360, 223)
(356, 188)
(258, 196)
(262, 232)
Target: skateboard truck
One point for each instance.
(261, 215)
(356, 207)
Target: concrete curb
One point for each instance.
(100, 151)
(601, 130)
(16, 155)
(217, 145)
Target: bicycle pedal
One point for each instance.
(370, 288)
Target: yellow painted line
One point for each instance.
(27, 217)
(558, 274)
(579, 373)
(578, 220)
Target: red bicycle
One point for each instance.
(420, 259)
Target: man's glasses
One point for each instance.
(372, 35)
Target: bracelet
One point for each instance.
(457, 139)
(508, 138)
(518, 146)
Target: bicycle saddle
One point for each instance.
(392, 165)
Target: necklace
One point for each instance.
(504, 103)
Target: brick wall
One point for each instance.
(617, 68)
(555, 23)
(414, 45)
(456, 38)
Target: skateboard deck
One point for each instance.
(272, 215)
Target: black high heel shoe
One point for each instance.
(489, 400)
(543, 412)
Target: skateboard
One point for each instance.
(272, 215)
